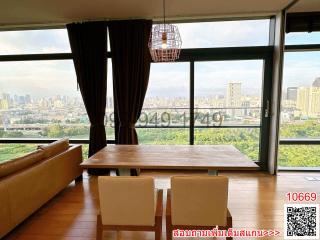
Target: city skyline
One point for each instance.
(28, 116)
(62, 77)
(42, 78)
(288, 94)
(301, 102)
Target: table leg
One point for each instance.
(213, 172)
(113, 173)
(124, 172)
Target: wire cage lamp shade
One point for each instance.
(165, 43)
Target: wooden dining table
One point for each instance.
(211, 158)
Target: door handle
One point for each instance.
(267, 109)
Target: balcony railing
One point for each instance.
(179, 117)
(173, 117)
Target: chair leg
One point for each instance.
(158, 228)
(79, 179)
(168, 216)
(158, 233)
(229, 223)
(99, 228)
(169, 235)
(169, 232)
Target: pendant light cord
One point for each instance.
(164, 12)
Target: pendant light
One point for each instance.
(165, 41)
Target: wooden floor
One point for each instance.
(255, 202)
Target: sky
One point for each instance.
(49, 78)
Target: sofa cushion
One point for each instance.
(55, 148)
(20, 163)
(5, 216)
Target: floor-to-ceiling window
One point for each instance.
(300, 104)
(213, 95)
(39, 98)
(165, 115)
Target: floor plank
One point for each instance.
(255, 201)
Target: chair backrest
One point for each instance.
(199, 201)
(127, 200)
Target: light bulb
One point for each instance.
(164, 45)
(164, 40)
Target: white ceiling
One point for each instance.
(47, 12)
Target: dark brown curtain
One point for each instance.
(131, 67)
(89, 49)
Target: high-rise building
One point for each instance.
(4, 104)
(6, 100)
(314, 110)
(22, 100)
(246, 107)
(316, 83)
(16, 99)
(234, 99)
(28, 99)
(292, 93)
(6, 96)
(303, 100)
(308, 101)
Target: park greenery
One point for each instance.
(245, 139)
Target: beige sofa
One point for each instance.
(28, 182)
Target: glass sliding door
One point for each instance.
(228, 104)
(211, 96)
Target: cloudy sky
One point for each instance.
(48, 78)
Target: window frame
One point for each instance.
(293, 141)
(187, 55)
